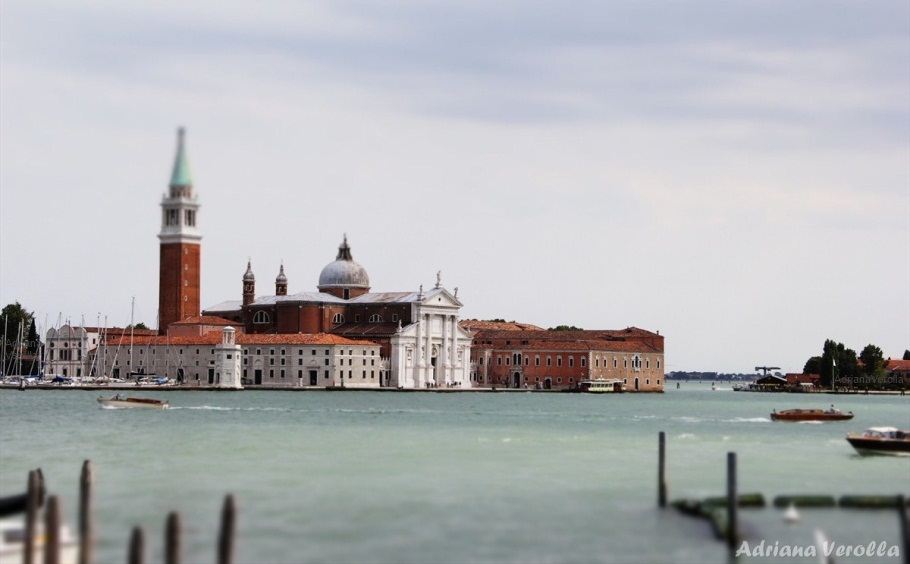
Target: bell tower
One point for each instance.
(179, 266)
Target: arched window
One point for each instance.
(261, 317)
(376, 318)
(338, 318)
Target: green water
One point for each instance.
(448, 477)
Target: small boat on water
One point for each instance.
(881, 440)
(600, 386)
(829, 414)
(121, 401)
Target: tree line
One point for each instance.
(842, 367)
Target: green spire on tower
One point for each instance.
(181, 175)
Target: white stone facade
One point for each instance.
(67, 350)
(227, 361)
(433, 352)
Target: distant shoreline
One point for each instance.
(144, 388)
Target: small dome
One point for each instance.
(281, 278)
(344, 272)
(248, 276)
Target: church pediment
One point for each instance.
(440, 297)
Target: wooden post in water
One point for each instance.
(86, 531)
(34, 502)
(226, 535)
(52, 531)
(905, 527)
(172, 539)
(137, 547)
(661, 470)
(732, 526)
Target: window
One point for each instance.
(357, 318)
(558, 361)
(376, 318)
(536, 361)
(261, 317)
(549, 361)
(338, 318)
(584, 362)
(571, 361)
(394, 317)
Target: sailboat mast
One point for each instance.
(132, 312)
(5, 339)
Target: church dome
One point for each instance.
(343, 272)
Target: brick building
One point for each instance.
(510, 355)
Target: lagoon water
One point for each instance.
(450, 477)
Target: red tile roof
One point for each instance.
(478, 324)
(247, 339)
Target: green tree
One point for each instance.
(873, 363)
(907, 354)
(20, 340)
(139, 325)
(840, 362)
(813, 365)
(565, 328)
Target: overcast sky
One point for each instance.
(734, 175)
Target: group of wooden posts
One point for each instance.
(53, 538)
(722, 511)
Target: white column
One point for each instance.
(429, 349)
(444, 346)
(417, 360)
(454, 346)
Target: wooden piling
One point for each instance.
(86, 530)
(35, 499)
(661, 470)
(226, 535)
(905, 526)
(172, 539)
(52, 531)
(137, 547)
(732, 526)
